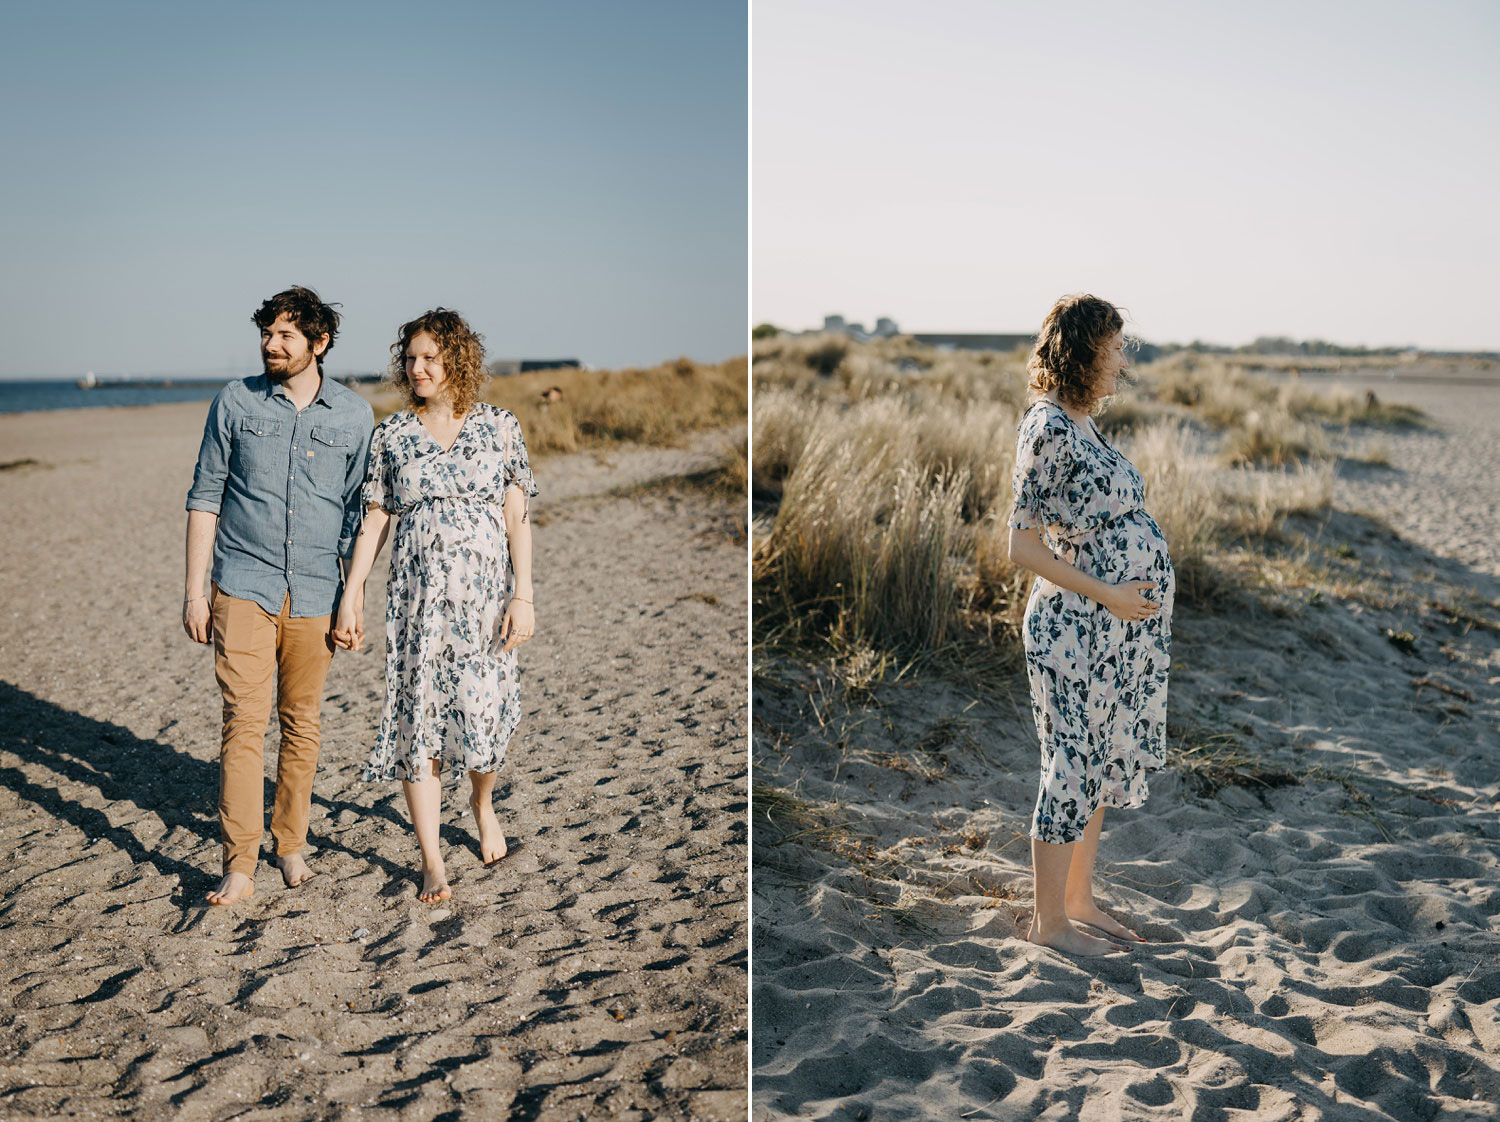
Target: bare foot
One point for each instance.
(491, 836)
(1070, 940)
(434, 885)
(294, 870)
(1090, 914)
(234, 886)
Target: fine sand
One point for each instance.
(1324, 942)
(598, 971)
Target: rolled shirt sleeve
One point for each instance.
(212, 470)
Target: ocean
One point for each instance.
(28, 396)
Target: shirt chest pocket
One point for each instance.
(258, 445)
(327, 454)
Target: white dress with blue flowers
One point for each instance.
(450, 692)
(1098, 683)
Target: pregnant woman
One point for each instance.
(452, 472)
(1098, 622)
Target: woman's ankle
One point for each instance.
(1051, 924)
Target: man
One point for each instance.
(275, 501)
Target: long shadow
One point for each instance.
(150, 775)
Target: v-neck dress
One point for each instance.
(451, 694)
(1098, 683)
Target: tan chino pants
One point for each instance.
(258, 656)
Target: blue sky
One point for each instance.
(571, 176)
(1313, 168)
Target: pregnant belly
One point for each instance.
(446, 532)
(1129, 548)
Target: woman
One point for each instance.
(1098, 623)
(453, 473)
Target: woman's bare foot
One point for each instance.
(234, 886)
(1090, 914)
(294, 870)
(434, 884)
(491, 836)
(1070, 940)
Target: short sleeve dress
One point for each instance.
(451, 694)
(1098, 683)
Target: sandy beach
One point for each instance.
(597, 972)
(1323, 914)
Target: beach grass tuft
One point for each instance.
(1209, 762)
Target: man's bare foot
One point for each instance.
(234, 886)
(1090, 914)
(491, 836)
(1070, 940)
(294, 870)
(434, 885)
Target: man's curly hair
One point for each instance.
(461, 349)
(1066, 354)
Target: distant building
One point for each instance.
(885, 327)
(961, 341)
(504, 366)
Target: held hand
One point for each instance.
(197, 621)
(358, 602)
(1127, 600)
(518, 625)
(349, 629)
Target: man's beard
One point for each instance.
(291, 368)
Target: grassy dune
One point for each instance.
(656, 405)
(881, 475)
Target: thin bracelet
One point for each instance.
(523, 600)
(193, 599)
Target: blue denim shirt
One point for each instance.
(285, 485)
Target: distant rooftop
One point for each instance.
(527, 365)
(886, 327)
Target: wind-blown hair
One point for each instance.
(307, 313)
(461, 349)
(1066, 354)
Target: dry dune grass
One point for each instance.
(1267, 422)
(656, 405)
(889, 466)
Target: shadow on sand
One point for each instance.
(153, 778)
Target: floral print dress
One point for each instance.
(1098, 683)
(450, 692)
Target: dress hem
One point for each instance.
(1104, 801)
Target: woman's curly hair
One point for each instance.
(461, 349)
(1066, 355)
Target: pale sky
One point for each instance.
(1224, 171)
(570, 176)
